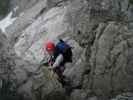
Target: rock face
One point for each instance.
(107, 48)
(124, 96)
(100, 34)
(7, 89)
(109, 53)
(21, 80)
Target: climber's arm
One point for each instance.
(58, 61)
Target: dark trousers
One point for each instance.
(59, 71)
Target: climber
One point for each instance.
(60, 54)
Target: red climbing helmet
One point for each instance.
(50, 46)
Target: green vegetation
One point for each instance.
(4, 7)
(131, 1)
(6, 93)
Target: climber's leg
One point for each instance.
(61, 77)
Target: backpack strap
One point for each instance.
(61, 40)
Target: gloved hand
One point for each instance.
(44, 62)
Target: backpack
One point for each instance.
(65, 49)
